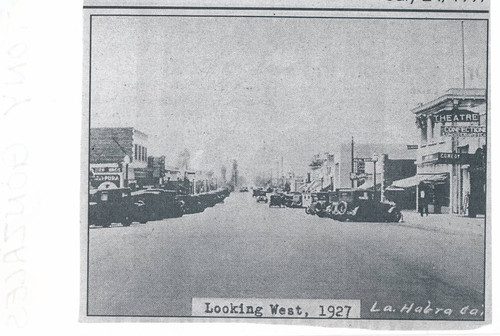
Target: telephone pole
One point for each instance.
(352, 161)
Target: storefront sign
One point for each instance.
(463, 131)
(456, 116)
(107, 170)
(98, 179)
(440, 157)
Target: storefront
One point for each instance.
(452, 130)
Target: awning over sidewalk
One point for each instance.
(415, 180)
(308, 187)
(327, 188)
(368, 184)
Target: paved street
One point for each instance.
(241, 249)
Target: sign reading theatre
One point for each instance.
(456, 116)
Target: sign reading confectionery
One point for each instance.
(464, 131)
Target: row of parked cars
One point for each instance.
(125, 206)
(353, 205)
(342, 204)
(278, 199)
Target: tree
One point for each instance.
(223, 172)
(183, 159)
(235, 173)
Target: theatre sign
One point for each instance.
(456, 116)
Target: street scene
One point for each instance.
(244, 249)
(284, 162)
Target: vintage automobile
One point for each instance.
(262, 199)
(190, 203)
(258, 192)
(244, 189)
(306, 200)
(319, 204)
(362, 206)
(276, 200)
(109, 206)
(221, 195)
(296, 200)
(287, 200)
(158, 204)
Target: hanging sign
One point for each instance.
(463, 131)
(442, 157)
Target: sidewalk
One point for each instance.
(444, 222)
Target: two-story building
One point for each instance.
(451, 163)
(118, 156)
(320, 173)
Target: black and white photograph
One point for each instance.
(286, 164)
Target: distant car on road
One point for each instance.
(244, 189)
(276, 200)
(261, 199)
(259, 192)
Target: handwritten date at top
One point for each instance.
(442, 1)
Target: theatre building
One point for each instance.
(451, 158)
(118, 157)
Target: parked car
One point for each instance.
(294, 200)
(109, 206)
(276, 200)
(320, 202)
(287, 200)
(258, 192)
(244, 189)
(190, 203)
(361, 205)
(261, 193)
(158, 204)
(262, 199)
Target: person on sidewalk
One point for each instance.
(423, 200)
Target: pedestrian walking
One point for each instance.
(423, 200)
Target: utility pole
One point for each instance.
(463, 56)
(282, 173)
(352, 162)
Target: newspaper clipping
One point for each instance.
(318, 163)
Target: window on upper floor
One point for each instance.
(136, 152)
(423, 135)
(433, 126)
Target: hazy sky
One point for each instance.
(254, 89)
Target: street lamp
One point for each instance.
(374, 160)
(126, 160)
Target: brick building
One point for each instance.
(118, 157)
